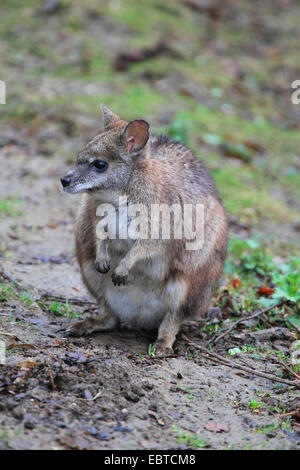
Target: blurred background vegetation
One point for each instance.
(214, 74)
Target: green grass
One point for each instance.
(62, 309)
(270, 428)
(255, 405)
(189, 439)
(5, 291)
(151, 351)
(9, 207)
(11, 292)
(27, 297)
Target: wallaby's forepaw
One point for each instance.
(102, 265)
(119, 276)
(160, 348)
(80, 328)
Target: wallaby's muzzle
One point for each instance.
(65, 181)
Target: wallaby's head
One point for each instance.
(107, 161)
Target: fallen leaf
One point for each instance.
(236, 150)
(216, 427)
(125, 59)
(266, 291)
(209, 8)
(26, 364)
(20, 346)
(70, 442)
(255, 146)
(273, 52)
(234, 283)
(159, 421)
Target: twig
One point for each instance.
(289, 369)
(295, 326)
(229, 363)
(97, 396)
(5, 333)
(52, 381)
(8, 278)
(291, 413)
(257, 314)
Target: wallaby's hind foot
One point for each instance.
(102, 322)
(161, 348)
(167, 331)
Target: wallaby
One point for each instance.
(150, 282)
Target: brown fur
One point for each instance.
(158, 282)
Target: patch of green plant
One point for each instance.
(287, 281)
(246, 348)
(245, 193)
(151, 351)
(62, 309)
(188, 355)
(138, 100)
(189, 439)
(268, 428)
(210, 328)
(178, 129)
(250, 260)
(189, 391)
(255, 405)
(26, 297)
(5, 291)
(3, 434)
(248, 257)
(9, 207)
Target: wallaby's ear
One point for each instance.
(135, 135)
(109, 118)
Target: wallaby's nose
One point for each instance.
(65, 181)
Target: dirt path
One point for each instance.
(105, 391)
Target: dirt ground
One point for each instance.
(227, 78)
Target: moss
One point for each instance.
(136, 101)
(245, 197)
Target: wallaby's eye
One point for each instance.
(100, 165)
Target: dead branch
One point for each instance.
(227, 362)
(287, 368)
(255, 315)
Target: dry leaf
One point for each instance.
(20, 346)
(234, 284)
(266, 291)
(159, 421)
(26, 364)
(217, 427)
